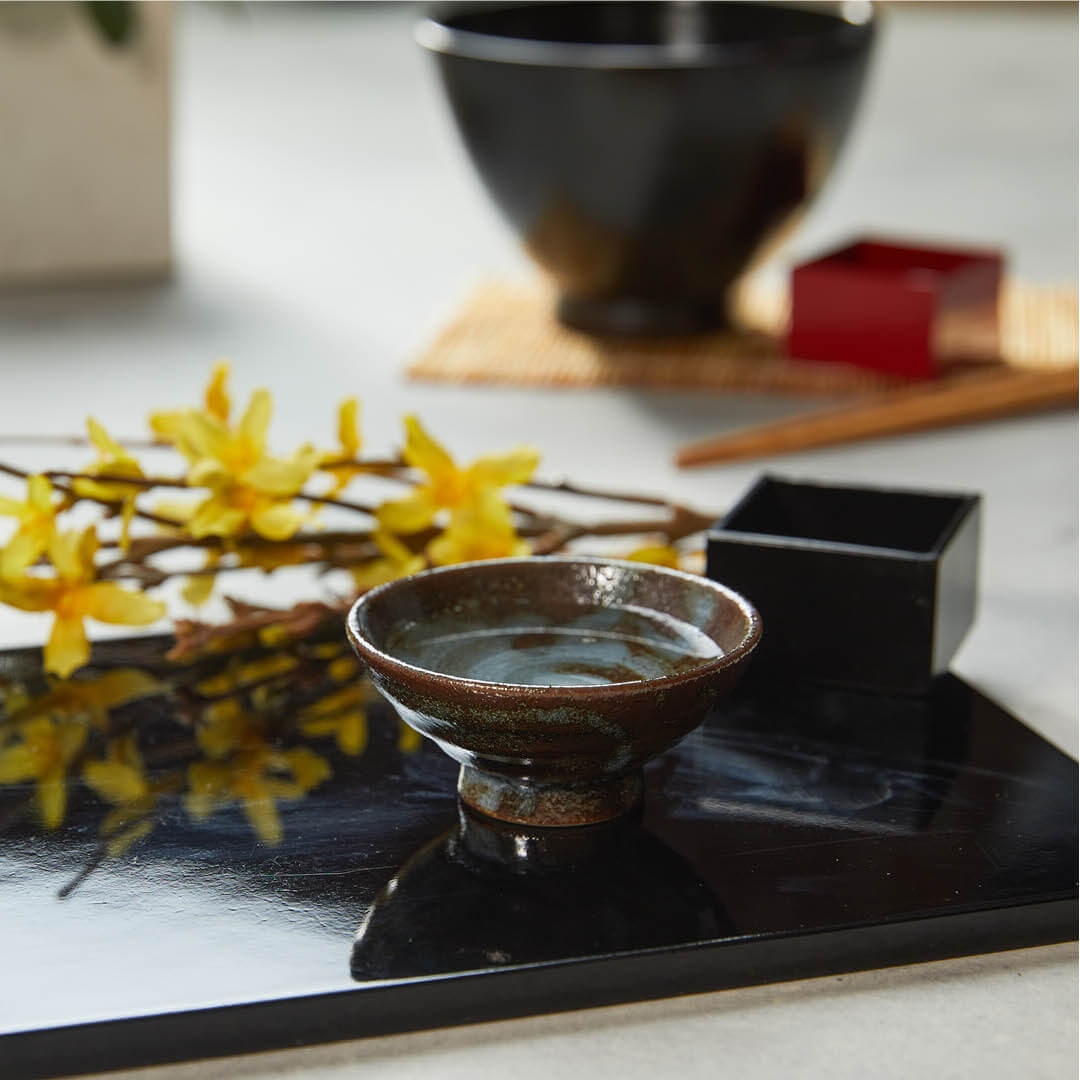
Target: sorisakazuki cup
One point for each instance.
(552, 680)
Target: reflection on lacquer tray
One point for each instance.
(132, 747)
(488, 894)
(824, 756)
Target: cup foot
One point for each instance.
(641, 316)
(526, 803)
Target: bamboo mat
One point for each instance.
(507, 333)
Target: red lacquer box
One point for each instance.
(902, 310)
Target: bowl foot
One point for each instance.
(630, 316)
(528, 803)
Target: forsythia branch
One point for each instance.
(248, 508)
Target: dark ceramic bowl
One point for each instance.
(646, 152)
(552, 680)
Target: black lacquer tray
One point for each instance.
(801, 831)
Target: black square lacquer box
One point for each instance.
(857, 586)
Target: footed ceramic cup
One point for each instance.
(552, 680)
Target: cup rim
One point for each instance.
(839, 33)
(383, 663)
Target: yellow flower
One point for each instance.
(225, 726)
(348, 430)
(238, 675)
(91, 699)
(482, 529)
(73, 595)
(57, 722)
(113, 460)
(342, 714)
(350, 442)
(249, 488)
(326, 650)
(449, 486)
(216, 397)
(396, 561)
(657, 554)
(43, 751)
(274, 635)
(409, 739)
(198, 588)
(244, 768)
(342, 669)
(121, 827)
(13, 697)
(37, 526)
(166, 423)
(133, 795)
(119, 778)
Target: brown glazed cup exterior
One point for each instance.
(552, 755)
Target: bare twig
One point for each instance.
(301, 619)
(112, 478)
(327, 500)
(564, 487)
(389, 467)
(96, 858)
(114, 505)
(79, 440)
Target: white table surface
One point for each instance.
(327, 221)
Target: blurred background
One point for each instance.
(296, 170)
(303, 155)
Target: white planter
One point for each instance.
(84, 145)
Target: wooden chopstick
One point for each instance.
(960, 400)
